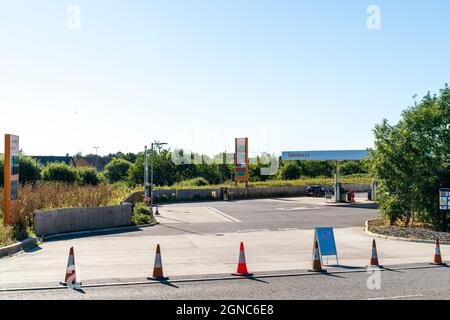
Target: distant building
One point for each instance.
(44, 160)
(92, 162)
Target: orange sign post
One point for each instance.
(11, 180)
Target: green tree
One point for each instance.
(59, 172)
(411, 161)
(164, 169)
(29, 170)
(290, 170)
(117, 170)
(352, 167)
(88, 176)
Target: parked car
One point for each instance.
(317, 191)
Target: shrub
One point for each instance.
(196, 182)
(140, 208)
(352, 167)
(59, 172)
(29, 172)
(117, 170)
(142, 215)
(88, 177)
(291, 171)
(140, 219)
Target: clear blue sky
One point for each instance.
(291, 75)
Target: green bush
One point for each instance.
(141, 219)
(59, 172)
(29, 170)
(291, 171)
(88, 176)
(352, 167)
(142, 215)
(140, 208)
(117, 170)
(196, 182)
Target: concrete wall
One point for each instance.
(162, 196)
(57, 221)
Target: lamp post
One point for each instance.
(145, 176)
(151, 172)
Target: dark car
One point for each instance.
(317, 191)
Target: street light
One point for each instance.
(151, 172)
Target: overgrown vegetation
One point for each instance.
(142, 215)
(411, 161)
(41, 195)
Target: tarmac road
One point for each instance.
(423, 282)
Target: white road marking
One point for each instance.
(223, 215)
(398, 297)
(298, 208)
(287, 229)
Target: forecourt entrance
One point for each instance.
(336, 155)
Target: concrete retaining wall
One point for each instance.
(237, 193)
(57, 221)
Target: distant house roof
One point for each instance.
(50, 159)
(92, 162)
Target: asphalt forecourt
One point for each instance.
(193, 243)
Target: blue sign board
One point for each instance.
(325, 155)
(444, 199)
(325, 239)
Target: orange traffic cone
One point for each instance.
(158, 269)
(70, 280)
(374, 257)
(242, 264)
(316, 265)
(437, 259)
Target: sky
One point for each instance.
(290, 75)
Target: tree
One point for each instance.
(117, 170)
(411, 161)
(59, 172)
(29, 170)
(88, 176)
(352, 167)
(291, 171)
(164, 170)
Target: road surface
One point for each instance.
(423, 282)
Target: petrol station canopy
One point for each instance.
(335, 155)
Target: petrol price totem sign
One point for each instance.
(241, 160)
(11, 179)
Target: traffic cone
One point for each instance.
(158, 269)
(242, 264)
(70, 279)
(316, 264)
(374, 256)
(437, 259)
